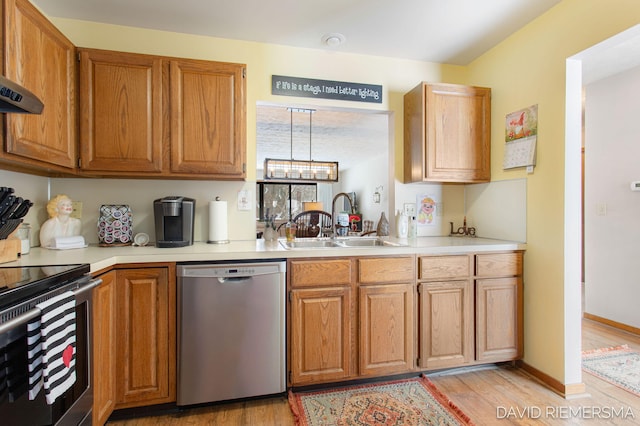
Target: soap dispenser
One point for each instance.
(402, 225)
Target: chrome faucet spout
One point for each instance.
(334, 223)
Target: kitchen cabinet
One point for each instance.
(470, 309)
(446, 311)
(208, 121)
(335, 336)
(386, 288)
(447, 133)
(39, 57)
(153, 116)
(104, 343)
(320, 326)
(122, 112)
(499, 307)
(146, 335)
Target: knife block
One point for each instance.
(10, 249)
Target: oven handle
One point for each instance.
(27, 316)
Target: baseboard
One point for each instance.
(568, 391)
(611, 323)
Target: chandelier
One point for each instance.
(301, 170)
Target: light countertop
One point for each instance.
(103, 257)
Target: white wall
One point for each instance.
(612, 210)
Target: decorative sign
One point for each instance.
(325, 89)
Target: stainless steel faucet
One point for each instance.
(334, 222)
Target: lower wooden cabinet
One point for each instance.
(334, 336)
(134, 333)
(470, 309)
(146, 342)
(104, 344)
(321, 335)
(386, 329)
(499, 319)
(447, 331)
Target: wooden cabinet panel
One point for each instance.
(447, 133)
(447, 329)
(42, 59)
(208, 118)
(122, 112)
(146, 337)
(321, 335)
(499, 264)
(386, 270)
(310, 273)
(104, 348)
(444, 267)
(499, 319)
(386, 329)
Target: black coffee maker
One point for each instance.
(174, 221)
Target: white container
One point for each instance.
(24, 235)
(402, 225)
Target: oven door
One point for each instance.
(71, 408)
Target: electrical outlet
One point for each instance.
(409, 209)
(77, 209)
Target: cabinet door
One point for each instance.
(146, 337)
(499, 316)
(458, 120)
(40, 58)
(386, 329)
(208, 118)
(320, 335)
(446, 324)
(121, 109)
(104, 348)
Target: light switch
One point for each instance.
(601, 209)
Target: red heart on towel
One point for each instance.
(67, 355)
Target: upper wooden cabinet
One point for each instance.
(208, 118)
(39, 57)
(447, 133)
(122, 112)
(153, 116)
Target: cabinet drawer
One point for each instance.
(311, 273)
(439, 267)
(386, 270)
(498, 264)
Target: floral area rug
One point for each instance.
(403, 402)
(618, 365)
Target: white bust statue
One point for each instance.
(60, 223)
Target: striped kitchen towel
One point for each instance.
(51, 340)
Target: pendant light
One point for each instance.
(301, 170)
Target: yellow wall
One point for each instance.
(529, 68)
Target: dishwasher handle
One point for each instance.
(231, 280)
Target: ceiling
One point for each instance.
(452, 31)
(442, 31)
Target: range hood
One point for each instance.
(15, 98)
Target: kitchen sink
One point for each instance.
(309, 243)
(341, 242)
(367, 242)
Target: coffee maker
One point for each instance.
(174, 221)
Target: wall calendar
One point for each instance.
(521, 134)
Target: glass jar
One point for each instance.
(24, 235)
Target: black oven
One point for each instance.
(21, 289)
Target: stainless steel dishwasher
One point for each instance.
(231, 331)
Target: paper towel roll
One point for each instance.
(218, 229)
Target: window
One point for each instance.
(283, 200)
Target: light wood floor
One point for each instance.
(490, 396)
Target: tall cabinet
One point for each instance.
(40, 58)
(447, 133)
